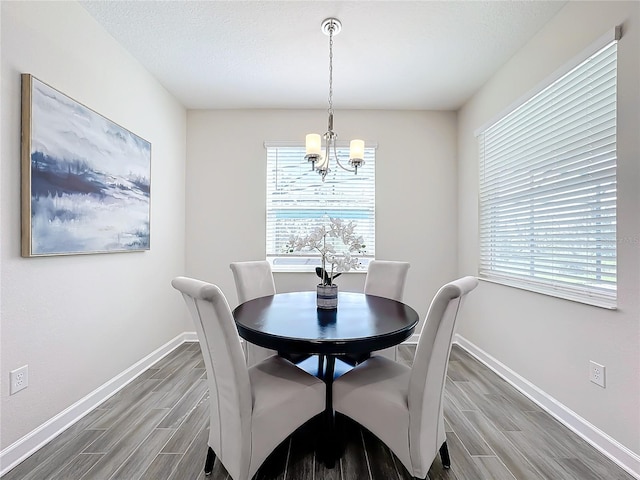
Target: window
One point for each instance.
(548, 188)
(298, 201)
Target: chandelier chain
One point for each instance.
(331, 28)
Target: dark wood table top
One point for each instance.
(291, 322)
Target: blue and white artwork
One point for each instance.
(89, 179)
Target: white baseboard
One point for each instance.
(25, 446)
(189, 337)
(618, 453)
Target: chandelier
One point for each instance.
(313, 144)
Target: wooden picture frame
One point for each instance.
(86, 181)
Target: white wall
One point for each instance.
(549, 341)
(78, 321)
(416, 192)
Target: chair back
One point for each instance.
(386, 279)
(253, 279)
(227, 374)
(429, 371)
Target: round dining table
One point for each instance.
(291, 324)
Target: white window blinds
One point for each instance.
(548, 188)
(298, 201)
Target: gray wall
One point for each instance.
(416, 192)
(549, 341)
(79, 321)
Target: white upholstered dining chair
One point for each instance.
(403, 406)
(253, 279)
(252, 410)
(387, 279)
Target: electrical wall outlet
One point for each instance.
(19, 379)
(596, 373)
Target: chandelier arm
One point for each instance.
(335, 156)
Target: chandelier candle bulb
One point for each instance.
(356, 149)
(313, 144)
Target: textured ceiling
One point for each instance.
(272, 54)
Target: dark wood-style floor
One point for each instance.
(156, 428)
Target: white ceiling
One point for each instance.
(272, 54)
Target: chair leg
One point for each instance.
(444, 455)
(330, 415)
(208, 464)
(321, 366)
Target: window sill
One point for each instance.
(308, 264)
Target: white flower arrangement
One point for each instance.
(320, 239)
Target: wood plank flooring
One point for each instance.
(156, 428)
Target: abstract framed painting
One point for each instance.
(86, 181)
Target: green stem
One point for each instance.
(324, 264)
